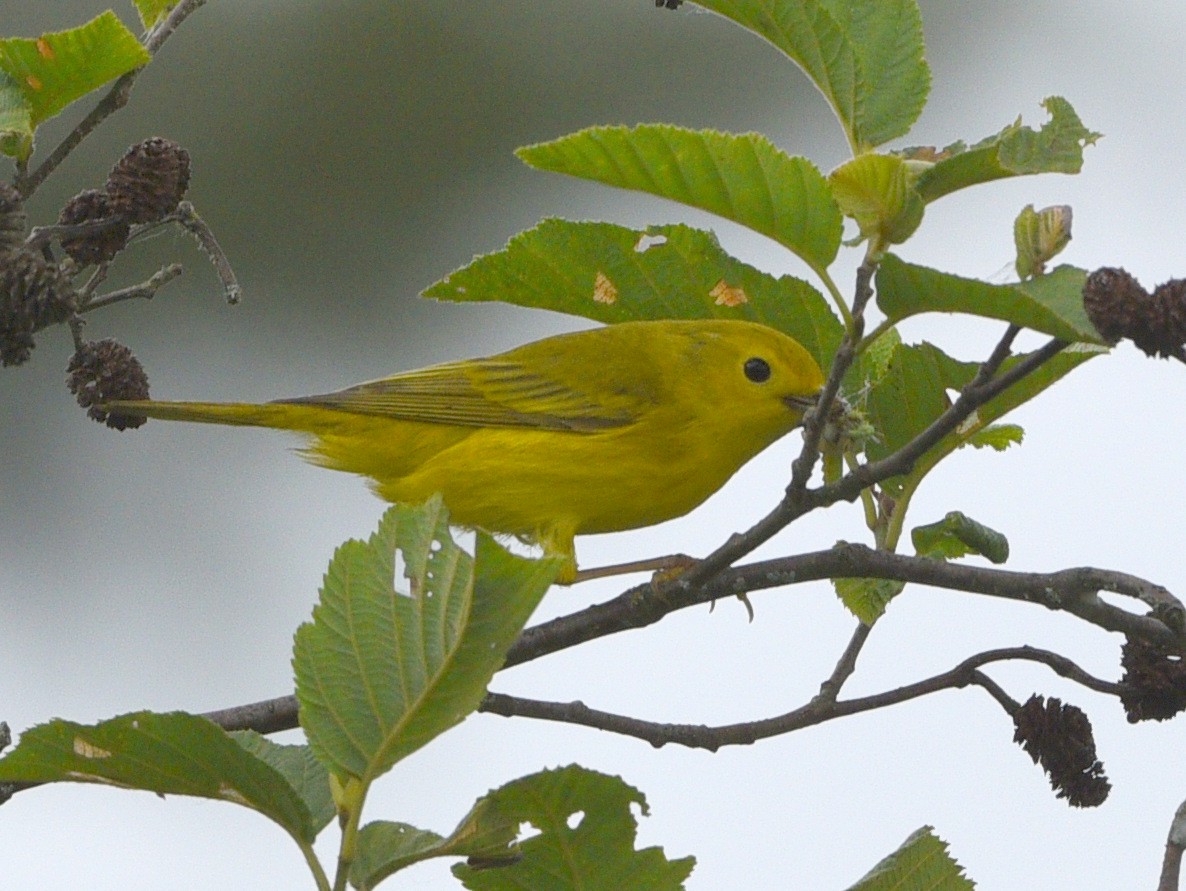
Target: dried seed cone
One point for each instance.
(1059, 738)
(149, 180)
(98, 247)
(1115, 302)
(104, 370)
(1169, 300)
(12, 220)
(33, 295)
(1156, 677)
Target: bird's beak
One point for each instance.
(800, 403)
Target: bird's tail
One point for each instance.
(280, 416)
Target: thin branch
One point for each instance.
(267, 716)
(1171, 865)
(818, 711)
(143, 291)
(846, 665)
(1073, 590)
(982, 389)
(115, 99)
(196, 226)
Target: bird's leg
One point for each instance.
(664, 568)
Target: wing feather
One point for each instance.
(495, 392)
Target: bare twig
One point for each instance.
(267, 716)
(143, 291)
(196, 226)
(846, 665)
(818, 711)
(115, 99)
(1171, 865)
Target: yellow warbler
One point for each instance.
(597, 431)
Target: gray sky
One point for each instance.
(348, 155)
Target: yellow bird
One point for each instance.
(596, 431)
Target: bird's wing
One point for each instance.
(495, 392)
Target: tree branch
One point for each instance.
(115, 99)
(817, 711)
(1073, 590)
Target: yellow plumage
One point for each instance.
(597, 431)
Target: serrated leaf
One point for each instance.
(486, 834)
(741, 177)
(152, 11)
(300, 767)
(613, 274)
(922, 861)
(586, 837)
(381, 672)
(1052, 303)
(56, 69)
(913, 393)
(996, 436)
(866, 57)
(878, 192)
(173, 753)
(1016, 151)
(867, 598)
(958, 535)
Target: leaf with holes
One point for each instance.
(172, 753)
(613, 274)
(54, 70)
(485, 836)
(383, 669)
(585, 840)
(1016, 151)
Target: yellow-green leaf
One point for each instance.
(741, 177)
(878, 192)
(152, 11)
(53, 70)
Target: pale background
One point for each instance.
(348, 154)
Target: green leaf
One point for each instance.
(958, 535)
(913, 393)
(174, 753)
(878, 192)
(56, 69)
(379, 671)
(16, 124)
(1052, 303)
(486, 835)
(1016, 151)
(867, 598)
(866, 57)
(744, 178)
(613, 274)
(922, 861)
(1039, 236)
(996, 436)
(300, 767)
(152, 11)
(585, 841)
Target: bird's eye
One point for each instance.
(757, 370)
